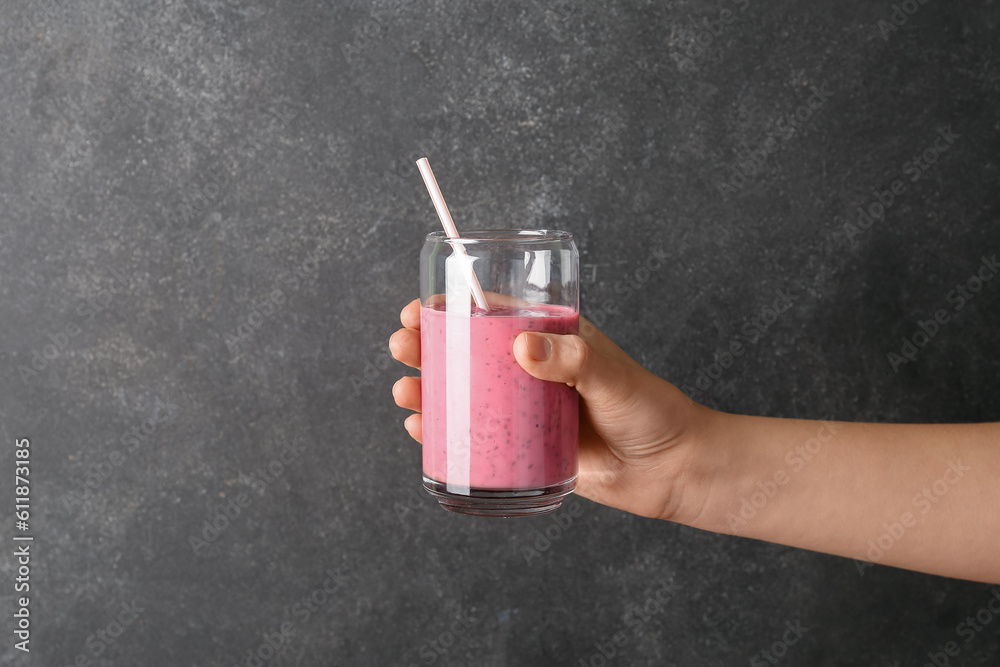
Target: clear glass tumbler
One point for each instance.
(496, 441)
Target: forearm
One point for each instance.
(922, 497)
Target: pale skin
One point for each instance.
(924, 497)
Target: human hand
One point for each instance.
(636, 430)
(826, 486)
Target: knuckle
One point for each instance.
(578, 350)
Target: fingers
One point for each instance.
(413, 425)
(405, 347)
(406, 392)
(410, 315)
(574, 361)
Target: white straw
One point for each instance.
(449, 228)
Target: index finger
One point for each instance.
(410, 315)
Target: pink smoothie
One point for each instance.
(487, 424)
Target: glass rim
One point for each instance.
(515, 236)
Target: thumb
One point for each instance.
(573, 361)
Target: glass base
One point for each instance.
(501, 502)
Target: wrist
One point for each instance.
(748, 475)
(708, 480)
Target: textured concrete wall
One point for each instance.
(210, 219)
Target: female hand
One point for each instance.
(636, 430)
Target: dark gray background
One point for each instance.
(173, 163)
